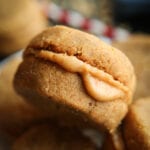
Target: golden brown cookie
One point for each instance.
(15, 113)
(53, 137)
(137, 48)
(20, 21)
(77, 70)
(136, 126)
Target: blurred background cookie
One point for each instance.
(19, 22)
(53, 137)
(136, 126)
(137, 48)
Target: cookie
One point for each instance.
(20, 21)
(53, 137)
(15, 114)
(137, 48)
(76, 70)
(136, 126)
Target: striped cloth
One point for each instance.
(74, 19)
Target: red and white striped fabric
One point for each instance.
(76, 20)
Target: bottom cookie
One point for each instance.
(53, 137)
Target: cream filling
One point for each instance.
(99, 84)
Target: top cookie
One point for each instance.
(88, 48)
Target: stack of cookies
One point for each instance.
(71, 89)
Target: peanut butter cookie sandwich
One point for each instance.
(77, 70)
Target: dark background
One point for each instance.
(135, 13)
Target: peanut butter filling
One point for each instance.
(98, 84)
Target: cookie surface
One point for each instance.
(53, 137)
(136, 126)
(53, 82)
